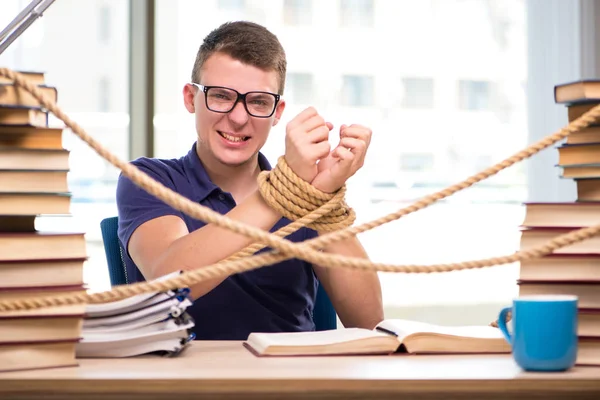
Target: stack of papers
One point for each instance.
(151, 323)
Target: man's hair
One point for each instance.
(247, 42)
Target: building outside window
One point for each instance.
(357, 90)
(420, 139)
(297, 12)
(299, 88)
(357, 13)
(417, 93)
(474, 95)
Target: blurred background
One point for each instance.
(449, 87)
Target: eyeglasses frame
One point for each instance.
(240, 96)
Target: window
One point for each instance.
(104, 24)
(351, 65)
(232, 10)
(104, 94)
(297, 12)
(94, 94)
(357, 90)
(482, 36)
(299, 88)
(483, 161)
(416, 161)
(357, 13)
(474, 95)
(232, 5)
(417, 93)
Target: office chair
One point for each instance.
(324, 314)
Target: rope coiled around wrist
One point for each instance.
(294, 198)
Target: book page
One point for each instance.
(140, 333)
(135, 302)
(129, 325)
(144, 336)
(404, 328)
(172, 307)
(123, 305)
(318, 338)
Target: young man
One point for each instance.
(235, 93)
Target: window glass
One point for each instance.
(440, 82)
(417, 92)
(297, 12)
(356, 13)
(357, 90)
(299, 87)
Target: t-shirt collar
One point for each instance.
(197, 173)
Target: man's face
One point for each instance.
(235, 137)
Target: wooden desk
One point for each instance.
(227, 370)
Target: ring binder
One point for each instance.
(152, 323)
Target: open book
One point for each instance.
(390, 336)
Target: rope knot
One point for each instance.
(294, 198)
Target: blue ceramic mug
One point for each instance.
(544, 334)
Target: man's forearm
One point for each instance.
(211, 243)
(356, 295)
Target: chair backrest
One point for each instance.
(112, 248)
(324, 314)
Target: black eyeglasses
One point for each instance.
(222, 100)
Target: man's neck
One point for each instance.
(239, 180)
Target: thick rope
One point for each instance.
(294, 198)
(226, 268)
(284, 249)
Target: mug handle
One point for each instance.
(502, 324)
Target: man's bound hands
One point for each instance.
(308, 151)
(343, 162)
(306, 142)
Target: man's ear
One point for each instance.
(189, 94)
(279, 111)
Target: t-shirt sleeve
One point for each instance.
(135, 206)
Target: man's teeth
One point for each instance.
(232, 138)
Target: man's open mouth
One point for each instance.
(233, 138)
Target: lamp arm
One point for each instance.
(17, 26)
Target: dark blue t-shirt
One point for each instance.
(277, 298)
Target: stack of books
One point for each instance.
(33, 182)
(575, 269)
